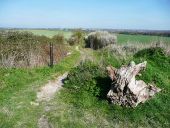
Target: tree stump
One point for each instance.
(125, 89)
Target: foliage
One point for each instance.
(59, 39)
(99, 39)
(23, 49)
(76, 38)
(84, 78)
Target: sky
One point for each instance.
(111, 14)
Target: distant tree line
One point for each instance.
(165, 34)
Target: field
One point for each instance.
(82, 101)
(122, 38)
(49, 33)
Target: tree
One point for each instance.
(77, 37)
(59, 39)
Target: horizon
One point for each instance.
(19, 28)
(89, 14)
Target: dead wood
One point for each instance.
(125, 89)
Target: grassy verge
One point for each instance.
(18, 89)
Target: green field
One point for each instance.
(123, 38)
(49, 33)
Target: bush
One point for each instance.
(151, 53)
(71, 41)
(23, 49)
(15, 36)
(76, 38)
(88, 77)
(59, 39)
(99, 39)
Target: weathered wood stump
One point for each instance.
(125, 89)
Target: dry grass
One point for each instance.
(129, 49)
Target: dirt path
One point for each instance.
(47, 92)
(43, 122)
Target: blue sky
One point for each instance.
(116, 14)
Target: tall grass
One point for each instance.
(129, 49)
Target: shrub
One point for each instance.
(71, 41)
(99, 39)
(59, 39)
(87, 77)
(151, 53)
(76, 38)
(23, 49)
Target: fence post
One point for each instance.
(51, 54)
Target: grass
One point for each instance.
(123, 38)
(18, 89)
(77, 106)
